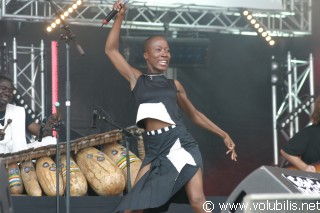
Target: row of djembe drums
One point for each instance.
(105, 171)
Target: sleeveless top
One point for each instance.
(156, 97)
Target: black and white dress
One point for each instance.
(172, 151)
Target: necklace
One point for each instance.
(154, 75)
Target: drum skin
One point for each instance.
(117, 153)
(78, 182)
(14, 178)
(30, 179)
(46, 173)
(102, 174)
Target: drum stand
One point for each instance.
(125, 134)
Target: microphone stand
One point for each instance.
(56, 127)
(66, 36)
(125, 135)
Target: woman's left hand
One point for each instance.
(231, 148)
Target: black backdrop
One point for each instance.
(233, 90)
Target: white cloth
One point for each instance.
(46, 141)
(15, 133)
(155, 111)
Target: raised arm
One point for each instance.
(202, 121)
(112, 47)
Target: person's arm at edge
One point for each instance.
(297, 162)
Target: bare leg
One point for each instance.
(139, 175)
(194, 189)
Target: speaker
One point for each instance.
(267, 179)
(5, 197)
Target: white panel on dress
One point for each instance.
(179, 157)
(154, 110)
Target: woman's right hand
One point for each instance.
(120, 7)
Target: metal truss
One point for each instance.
(27, 65)
(293, 20)
(294, 80)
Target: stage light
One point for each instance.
(62, 15)
(274, 66)
(253, 21)
(57, 21)
(272, 42)
(274, 79)
(245, 12)
(258, 27)
(53, 25)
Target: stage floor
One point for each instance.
(85, 204)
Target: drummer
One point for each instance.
(14, 121)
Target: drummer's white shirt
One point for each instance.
(15, 133)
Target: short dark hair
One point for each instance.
(148, 40)
(6, 78)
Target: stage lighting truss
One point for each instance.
(61, 15)
(293, 94)
(20, 101)
(258, 26)
(303, 106)
(293, 20)
(27, 69)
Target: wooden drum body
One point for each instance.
(14, 178)
(117, 153)
(102, 174)
(30, 179)
(46, 172)
(78, 182)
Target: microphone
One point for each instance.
(111, 14)
(94, 119)
(2, 131)
(42, 129)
